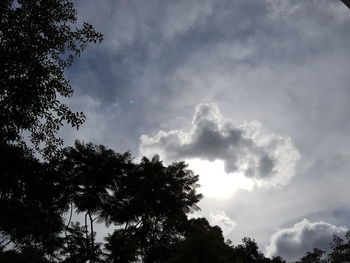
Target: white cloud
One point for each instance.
(221, 219)
(292, 243)
(268, 159)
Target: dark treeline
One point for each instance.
(147, 204)
(42, 185)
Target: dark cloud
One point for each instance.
(151, 49)
(292, 243)
(265, 157)
(266, 165)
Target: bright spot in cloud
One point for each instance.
(215, 182)
(221, 219)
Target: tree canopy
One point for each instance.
(203, 243)
(38, 41)
(340, 252)
(148, 199)
(32, 200)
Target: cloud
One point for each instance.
(289, 71)
(292, 243)
(176, 21)
(132, 21)
(267, 158)
(282, 9)
(339, 11)
(221, 219)
(98, 118)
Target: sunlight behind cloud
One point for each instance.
(266, 158)
(215, 182)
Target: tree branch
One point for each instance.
(92, 239)
(70, 219)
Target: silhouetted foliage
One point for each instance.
(90, 172)
(340, 252)
(75, 249)
(340, 249)
(277, 259)
(11, 256)
(316, 256)
(38, 41)
(32, 200)
(346, 2)
(28, 255)
(203, 243)
(249, 251)
(122, 246)
(148, 199)
(162, 197)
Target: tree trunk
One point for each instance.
(87, 236)
(92, 239)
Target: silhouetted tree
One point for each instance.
(38, 41)
(90, 171)
(151, 202)
(28, 255)
(32, 201)
(340, 249)
(122, 246)
(12, 256)
(315, 256)
(203, 243)
(277, 259)
(75, 248)
(249, 252)
(148, 199)
(340, 252)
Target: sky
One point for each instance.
(253, 95)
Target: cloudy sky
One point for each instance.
(253, 94)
